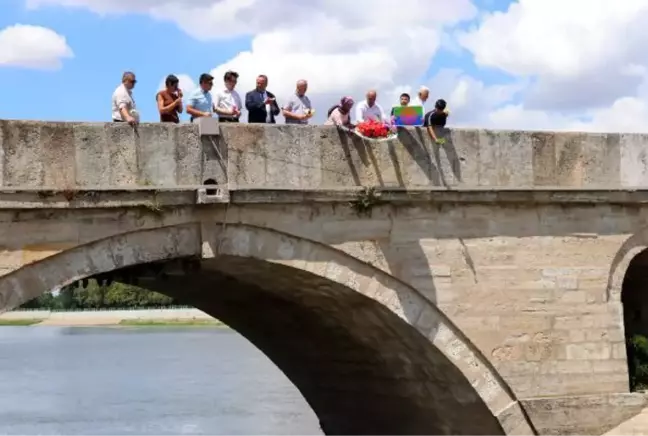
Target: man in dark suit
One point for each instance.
(261, 105)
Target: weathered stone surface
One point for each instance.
(64, 155)
(515, 291)
(637, 425)
(579, 415)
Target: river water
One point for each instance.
(143, 381)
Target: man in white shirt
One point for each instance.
(228, 104)
(423, 95)
(370, 110)
(123, 104)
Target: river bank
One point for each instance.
(104, 318)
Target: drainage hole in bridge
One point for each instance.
(210, 182)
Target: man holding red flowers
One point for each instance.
(369, 110)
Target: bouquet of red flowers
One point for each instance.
(374, 129)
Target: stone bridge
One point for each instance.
(404, 288)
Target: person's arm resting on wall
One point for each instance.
(432, 133)
(431, 129)
(339, 120)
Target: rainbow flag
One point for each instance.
(408, 115)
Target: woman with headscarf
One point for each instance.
(340, 114)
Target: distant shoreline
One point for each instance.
(111, 318)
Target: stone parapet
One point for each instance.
(67, 155)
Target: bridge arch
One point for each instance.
(369, 353)
(632, 247)
(627, 285)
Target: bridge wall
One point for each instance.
(536, 288)
(67, 155)
(535, 285)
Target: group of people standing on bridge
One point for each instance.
(261, 104)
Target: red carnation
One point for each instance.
(373, 129)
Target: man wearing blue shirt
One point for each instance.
(200, 102)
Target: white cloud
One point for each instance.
(32, 47)
(584, 59)
(207, 19)
(340, 47)
(344, 48)
(627, 114)
(470, 100)
(561, 39)
(578, 64)
(515, 116)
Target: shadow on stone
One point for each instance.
(215, 158)
(451, 152)
(415, 146)
(346, 143)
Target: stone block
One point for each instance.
(156, 156)
(589, 351)
(208, 126)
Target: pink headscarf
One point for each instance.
(344, 101)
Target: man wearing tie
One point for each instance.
(261, 105)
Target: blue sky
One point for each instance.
(81, 90)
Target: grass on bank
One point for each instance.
(19, 322)
(171, 323)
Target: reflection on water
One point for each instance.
(143, 381)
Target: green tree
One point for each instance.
(94, 296)
(66, 298)
(45, 301)
(637, 348)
